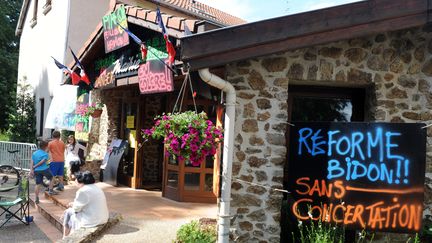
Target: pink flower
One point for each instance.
(194, 147)
(148, 132)
(165, 118)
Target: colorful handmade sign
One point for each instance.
(155, 77)
(114, 36)
(360, 175)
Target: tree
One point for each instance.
(23, 119)
(9, 49)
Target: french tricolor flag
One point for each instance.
(74, 76)
(169, 46)
(83, 75)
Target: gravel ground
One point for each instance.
(132, 230)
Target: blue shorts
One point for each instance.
(40, 174)
(57, 168)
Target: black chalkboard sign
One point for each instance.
(110, 171)
(361, 175)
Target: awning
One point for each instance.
(61, 113)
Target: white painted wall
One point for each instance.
(47, 38)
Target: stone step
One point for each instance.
(51, 210)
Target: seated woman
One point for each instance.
(89, 208)
(74, 156)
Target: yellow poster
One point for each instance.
(130, 122)
(132, 138)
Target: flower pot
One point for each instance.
(96, 113)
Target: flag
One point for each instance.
(75, 77)
(169, 46)
(61, 66)
(83, 75)
(137, 40)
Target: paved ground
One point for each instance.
(15, 231)
(138, 231)
(147, 217)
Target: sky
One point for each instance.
(254, 10)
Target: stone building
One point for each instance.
(127, 110)
(377, 51)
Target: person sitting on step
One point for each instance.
(89, 208)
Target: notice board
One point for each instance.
(361, 175)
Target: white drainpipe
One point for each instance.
(224, 205)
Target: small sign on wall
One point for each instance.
(361, 175)
(155, 77)
(130, 122)
(114, 36)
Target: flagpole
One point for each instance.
(142, 43)
(172, 70)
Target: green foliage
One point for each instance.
(4, 136)
(22, 119)
(319, 232)
(9, 13)
(193, 232)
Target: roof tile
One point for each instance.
(165, 18)
(151, 16)
(190, 24)
(141, 13)
(175, 22)
(206, 11)
(132, 11)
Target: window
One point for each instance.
(309, 104)
(41, 118)
(33, 21)
(47, 7)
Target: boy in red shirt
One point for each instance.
(56, 150)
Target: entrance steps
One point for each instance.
(51, 209)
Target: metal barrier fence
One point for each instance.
(24, 154)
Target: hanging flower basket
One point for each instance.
(96, 113)
(86, 110)
(187, 136)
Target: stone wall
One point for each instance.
(396, 69)
(152, 150)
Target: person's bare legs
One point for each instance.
(66, 231)
(66, 220)
(51, 184)
(37, 189)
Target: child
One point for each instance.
(39, 169)
(57, 149)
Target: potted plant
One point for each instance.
(188, 136)
(93, 109)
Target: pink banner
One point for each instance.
(155, 77)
